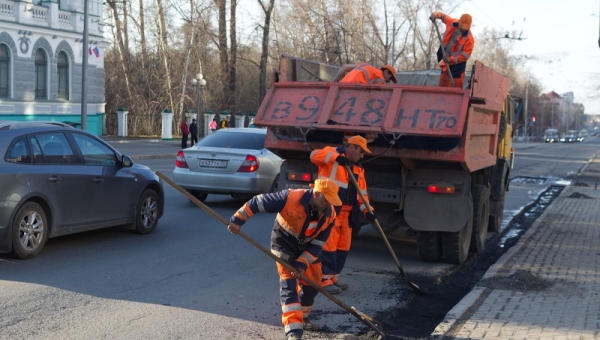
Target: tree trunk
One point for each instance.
(164, 44)
(262, 89)
(121, 49)
(223, 55)
(188, 56)
(233, 57)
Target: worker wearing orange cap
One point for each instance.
(458, 43)
(331, 162)
(303, 224)
(366, 74)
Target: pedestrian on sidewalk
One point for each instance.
(213, 125)
(332, 162)
(185, 131)
(303, 224)
(194, 132)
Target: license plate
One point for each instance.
(212, 163)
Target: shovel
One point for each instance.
(367, 320)
(444, 54)
(385, 240)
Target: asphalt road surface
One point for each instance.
(191, 279)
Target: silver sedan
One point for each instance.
(228, 162)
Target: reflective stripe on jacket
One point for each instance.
(296, 238)
(364, 73)
(329, 168)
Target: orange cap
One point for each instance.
(329, 189)
(360, 141)
(465, 22)
(392, 70)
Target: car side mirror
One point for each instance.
(126, 161)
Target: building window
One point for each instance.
(40, 74)
(4, 71)
(63, 76)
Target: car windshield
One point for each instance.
(234, 140)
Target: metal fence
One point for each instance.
(137, 124)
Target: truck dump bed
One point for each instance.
(403, 121)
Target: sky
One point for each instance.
(562, 35)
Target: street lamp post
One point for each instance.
(198, 83)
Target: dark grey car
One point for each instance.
(57, 180)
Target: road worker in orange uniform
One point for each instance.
(303, 224)
(331, 162)
(366, 74)
(458, 44)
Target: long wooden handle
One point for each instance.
(445, 57)
(372, 323)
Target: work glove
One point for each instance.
(371, 217)
(343, 161)
(432, 17)
(452, 60)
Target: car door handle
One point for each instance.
(54, 179)
(98, 180)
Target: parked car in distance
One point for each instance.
(57, 180)
(230, 161)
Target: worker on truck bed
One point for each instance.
(458, 43)
(331, 162)
(366, 74)
(303, 224)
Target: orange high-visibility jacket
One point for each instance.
(457, 45)
(297, 237)
(329, 168)
(364, 73)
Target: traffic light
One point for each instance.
(533, 119)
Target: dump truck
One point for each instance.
(440, 157)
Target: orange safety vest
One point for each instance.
(293, 219)
(364, 73)
(456, 44)
(329, 168)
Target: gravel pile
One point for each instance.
(521, 280)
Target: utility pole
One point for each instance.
(526, 107)
(84, 65)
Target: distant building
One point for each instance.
(41, 56)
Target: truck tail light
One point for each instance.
(250, 164)
(299, 176)
(180, 160)
(441, 188)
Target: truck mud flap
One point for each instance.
(425, 211)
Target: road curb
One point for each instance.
(458, 312)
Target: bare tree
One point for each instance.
(268, 10)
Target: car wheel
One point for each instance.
(146, 213)
(201, 196)
(29, 231)
(275, 186)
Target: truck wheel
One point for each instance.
(429, 245)
(496, 220)
(455, 246)
(481, 213)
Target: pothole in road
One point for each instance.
(417, 317)
(528, 180)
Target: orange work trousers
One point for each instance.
(445, 80)
(297, 297)
(336, 248)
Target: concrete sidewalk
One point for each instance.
(548, 285)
